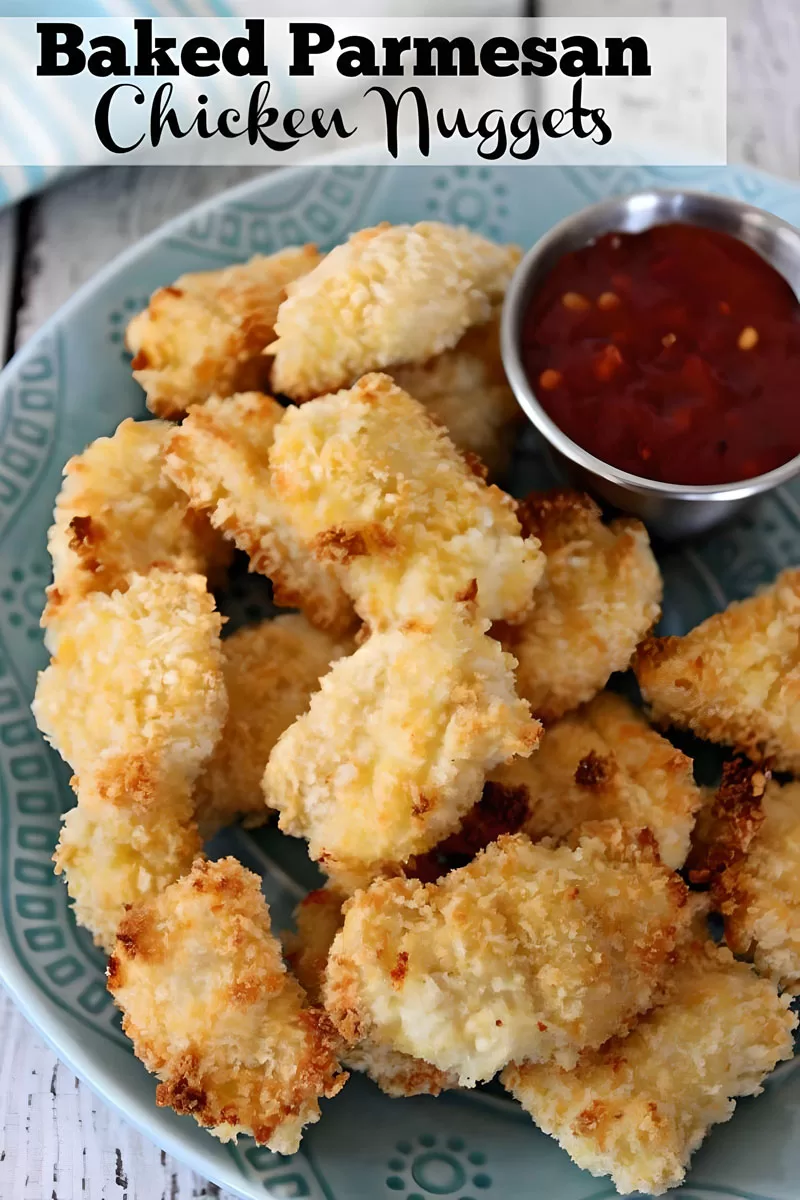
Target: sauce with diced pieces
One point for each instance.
(673, 354)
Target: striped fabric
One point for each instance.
(30, 122)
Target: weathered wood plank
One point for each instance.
(57, 1141)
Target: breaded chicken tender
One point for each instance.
(753, 855)
(137, 671)
(206, 333)
(130, 835)
(466, 390)
(395, 746)
(271, 671)
(118, 514)
(319, 918)
(219, 457)
(602, 761)
(601, 593)
(371, 483)
(500, 810)
(213, 1013)
(638, 1108)
(734, 679)
(529, 952)
(728, 821)
(390, 295)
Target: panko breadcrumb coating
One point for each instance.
(370, 482)
(639, 1107)
(139, 671)
(213, 1013)
(130, 835)
(205, 334)
(753, 860)
(530, 951)
(390, 295)
(606, 761)
(319, 918)
(219, 458)
(734, 679)
(117, 514)
(395, 746)
(600, 595)
(728, 821)
(466, 390)
(271, 671)
(500, 810)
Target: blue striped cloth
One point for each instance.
(27, 121)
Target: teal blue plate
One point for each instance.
(72, 383)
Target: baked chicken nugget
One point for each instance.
(600, 594)
(393, 294)
(728, 821)
(371, 483)
(206, 333)
(734, 679)
(753, 855)
(638, 1108)
(137, 671)
(271, 671)
(117, 514)
(530, 951)
(319, 918)
(601, 761)
(213, 1013)
(466, 390)
(219, 458)
(130, 835)
(395, 746)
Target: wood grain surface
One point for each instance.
(56, 1141)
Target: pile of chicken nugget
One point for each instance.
(501, 835)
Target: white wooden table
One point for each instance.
(56, 1141)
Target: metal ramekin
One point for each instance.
(671, 510)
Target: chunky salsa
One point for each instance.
(673, 354)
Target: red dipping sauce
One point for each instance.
(673, 354)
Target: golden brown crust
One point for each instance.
(137, 672)
(734, 679)
(370, 482)
(466, 390)
(359, 310)
(395, 747)
(602, 761)
(206, 334)
(637, 1108)
(134, 699)
(118, 514)
(729, 822)
(558, 517)
(219, 457)
(234, 1044)
(753, 861)
(501, 809)
(600, 594)
(507, 940)
(271, 671)
(318, 918)
(131, 834)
